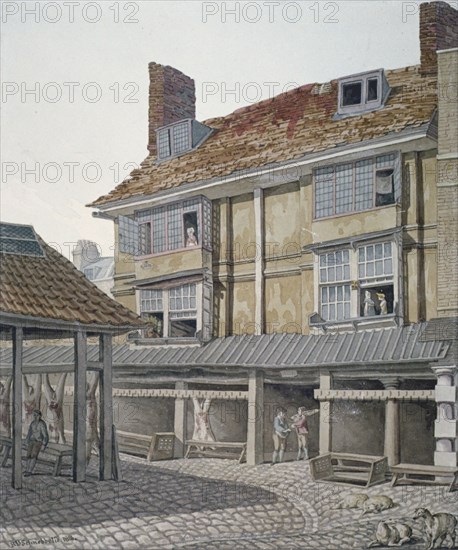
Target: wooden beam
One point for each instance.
(325, 435)
(49, 368)
(180, 421)
(255, 428)
(374, 395)
(258, 201)
(106, 406)
(79, 408)
(18, 338)
(177, 393)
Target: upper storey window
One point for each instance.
(357, 186)
(363, 92)
(180, 225)
(178, 138)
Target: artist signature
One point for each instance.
(49, 540)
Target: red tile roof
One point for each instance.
(51, 287)
(284, 128)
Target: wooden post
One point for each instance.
(79, 408)
(18, 336)
(259, 260)
(325, 416)
(106, 407)
(181, 413)
(392, 447)
(255, 430)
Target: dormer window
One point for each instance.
(362, 93)
(179, 138)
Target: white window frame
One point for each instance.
(167, 318)
(356, 283)
(366, 104)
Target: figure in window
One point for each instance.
(191, 239)
(369, 305)
(382, 303)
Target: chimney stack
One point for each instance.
(172, 97)
(438, 31)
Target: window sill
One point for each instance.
(158, 254)
(357, 323)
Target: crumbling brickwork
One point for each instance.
(172, 97)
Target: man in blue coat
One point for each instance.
(280, 435)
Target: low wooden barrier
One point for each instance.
(216, 449)
(416, 473)
(346, 468)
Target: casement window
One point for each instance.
(357, 282)
(174, 139)
(182, 225)
(178, 311)
(357, 186)
(180, 137)
(363, 92)
(186, 224)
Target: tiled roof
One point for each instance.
(286, 127)
(278, 351)
(51, 287)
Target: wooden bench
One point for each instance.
(216, 449)
(135, 444)
(346, 468)
(54, 453)
(416, 473)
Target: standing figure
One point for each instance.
(37, 436)
(202, 428)
(369, 305)
(302, 430)
(92, 416)
(383, 304)
(191, 239)
(280, 435)
(55, 400)
(31, 397)
(5, 422)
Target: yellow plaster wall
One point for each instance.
(282, 218)
(283, 311)
(243, 312)
(243, 228)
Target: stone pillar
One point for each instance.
(255, 430)
(18, 337)
(445, 429)
(392, 446)
(79, 408)
(325, 415)
(181, 413)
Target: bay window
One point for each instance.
(357, 282)
(181, 225)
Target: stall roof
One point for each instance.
(39, 284)
(276, 351)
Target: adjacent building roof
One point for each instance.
(287, 127)
(45, 285)
(273, 351)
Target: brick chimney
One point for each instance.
(172, 97)
(438, 31)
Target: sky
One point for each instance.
(74, 81)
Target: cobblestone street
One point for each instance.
(201, 503)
